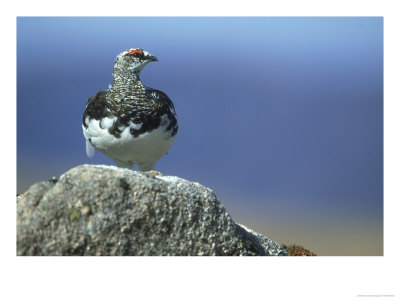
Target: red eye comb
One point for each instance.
(135, 51)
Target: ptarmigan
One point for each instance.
(130, 122)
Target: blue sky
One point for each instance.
(281, 117)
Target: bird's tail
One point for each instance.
(89, 149)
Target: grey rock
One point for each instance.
(103, 210)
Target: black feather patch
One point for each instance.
(146, 106)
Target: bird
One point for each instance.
(130, 122)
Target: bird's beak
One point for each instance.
(152, 58)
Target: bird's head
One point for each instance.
(134, 59)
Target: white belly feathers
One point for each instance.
(148, 146)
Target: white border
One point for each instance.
(201, 278)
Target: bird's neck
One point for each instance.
(126, 82)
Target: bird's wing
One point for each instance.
(161, 99)
(165, 106)
(96, 107)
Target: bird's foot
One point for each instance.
(152, 173)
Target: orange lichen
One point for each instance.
(298, 250)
